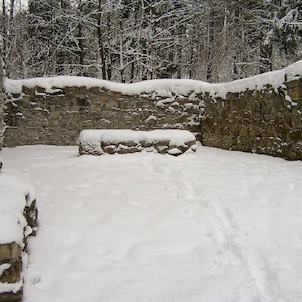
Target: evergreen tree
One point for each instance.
(288, 25)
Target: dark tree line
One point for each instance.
(133, 40)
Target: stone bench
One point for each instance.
(122, 141)
(18, 220)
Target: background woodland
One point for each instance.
(134, 40)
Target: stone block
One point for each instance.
(11, 297)
(13, 273)
(293, 84)
(295, 93)
(94, 90)
(31, 216)
(28, 90)
(9, 251)
(115, 94)
(295, 135)
(40, 90)
(71, 90)
(82, 101)
(111, 149)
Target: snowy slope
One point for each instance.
(207, 227)
(163, 87)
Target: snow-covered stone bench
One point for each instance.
(122, 141)
(18, 220)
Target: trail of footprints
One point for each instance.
(225, 232)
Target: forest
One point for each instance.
(133, 40)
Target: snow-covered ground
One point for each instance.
(206, 227)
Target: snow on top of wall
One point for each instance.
(14, 196)
(175, 137)
(162, 87)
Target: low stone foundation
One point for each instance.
(99, 142)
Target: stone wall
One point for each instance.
(40, 117)
(265, 122)
(12, 259)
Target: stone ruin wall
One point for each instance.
(38, 117)
(12, 254)
(265, 122)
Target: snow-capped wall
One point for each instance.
(38, 116)
(266, 122)
(18, 220)
(230, 115)
(163, 87)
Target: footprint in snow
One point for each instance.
(33, 275)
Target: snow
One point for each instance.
(4, 267)
(11, 287)
(163, 87)
(174, 151)
(174, 136)
(205, 227)
(15, 195)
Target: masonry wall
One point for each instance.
(12, 256)
(265, 122)
(57, 118)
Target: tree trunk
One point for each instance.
(100, 41)
(1, 98)
(265, 58)
(107, 51)
(81, 50)
(210, 46)
(4, 32)
(211, 25)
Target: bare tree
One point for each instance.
(1, 98)
(134, 40)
